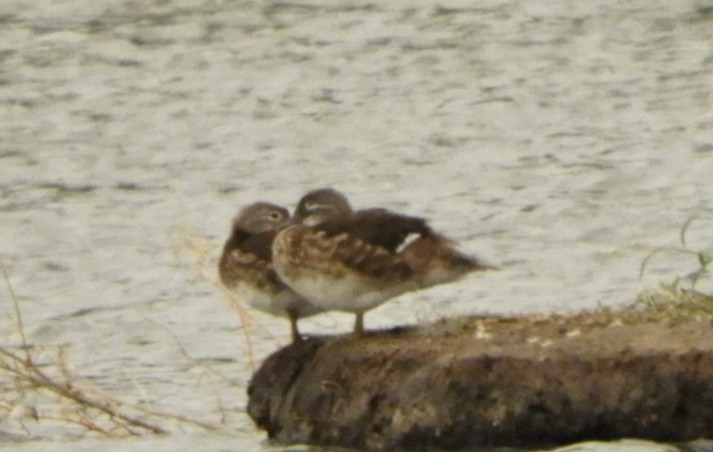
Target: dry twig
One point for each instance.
(90, 409)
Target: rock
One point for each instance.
(534, 381)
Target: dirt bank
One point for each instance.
(488, 381)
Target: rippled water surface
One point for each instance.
(561, 140)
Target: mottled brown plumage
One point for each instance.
(246, 268)
(353, 261)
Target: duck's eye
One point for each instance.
(275, 216)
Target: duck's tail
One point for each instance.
(435, 260)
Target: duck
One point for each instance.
(353, 261)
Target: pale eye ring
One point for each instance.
(275, 216)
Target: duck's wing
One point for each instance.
(379, 227)
(249, 257)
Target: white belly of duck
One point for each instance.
(349, 293)
(268, 302)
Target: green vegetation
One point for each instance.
(680, 296)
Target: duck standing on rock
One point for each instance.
(345, 260)
(246, 267)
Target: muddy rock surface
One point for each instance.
(532, 381)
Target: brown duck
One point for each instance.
(246, 267)
(345, 260)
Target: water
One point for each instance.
(562, 141)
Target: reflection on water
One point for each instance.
(560, 141)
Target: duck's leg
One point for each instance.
(296, 337)
(359, 324)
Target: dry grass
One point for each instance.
(671, 301)
(39, 385)
(201, 251)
